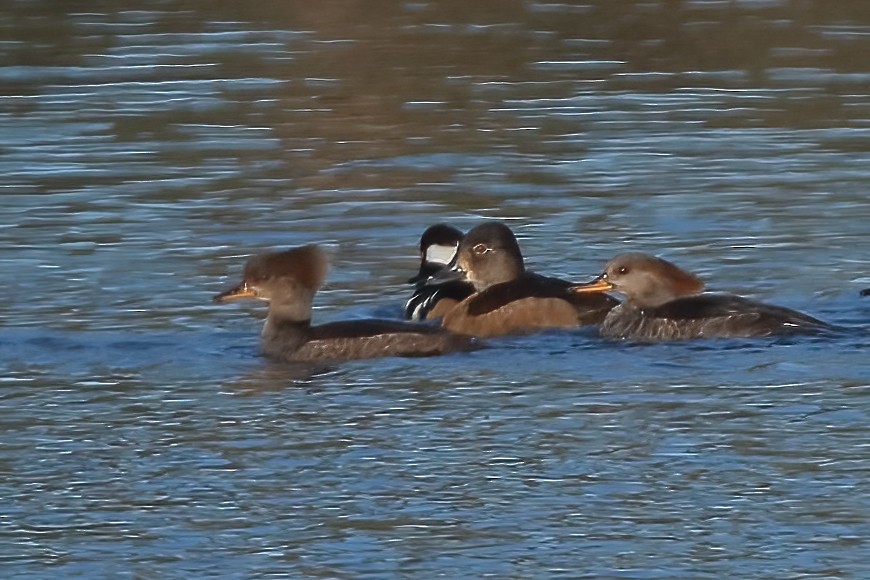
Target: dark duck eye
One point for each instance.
(623, 270)
(480, 249)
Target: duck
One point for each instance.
(431, 300)
(508, 299)
(288, 280)
(664, 302)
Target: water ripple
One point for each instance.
(147, 153)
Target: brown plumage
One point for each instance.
(289, 280)
(664, 302)
(507, 298)
(528, 304)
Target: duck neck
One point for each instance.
(288, 317)
(274, 327)
(283, 336)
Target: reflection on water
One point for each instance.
(146, 151)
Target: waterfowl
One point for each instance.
(507, 298)
(288, 281)
(431, 300)
(665, 302)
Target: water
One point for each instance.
(147, 151)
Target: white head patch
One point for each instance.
(439, 254)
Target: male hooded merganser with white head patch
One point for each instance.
(664, 302)
(430, 299)
(507, 298)
(289, 280)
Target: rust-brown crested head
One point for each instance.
(306, 265)
(267, 274)
(645, 280)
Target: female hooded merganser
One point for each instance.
(664, 302)
(507, 298)
(431, 300)
(288, 281)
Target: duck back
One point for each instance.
(361, 339)
(527, 304)
(707, 316)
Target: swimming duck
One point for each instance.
(664, 302)
(431, 300)
(507, 299)
(289, 280)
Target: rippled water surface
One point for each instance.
(147, 151)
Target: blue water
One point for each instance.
(145, 154)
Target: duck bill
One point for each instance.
(597, 285)
(235, 293)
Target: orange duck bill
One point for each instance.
(599, 284)
(238, 292)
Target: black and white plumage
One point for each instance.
(431, 299)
